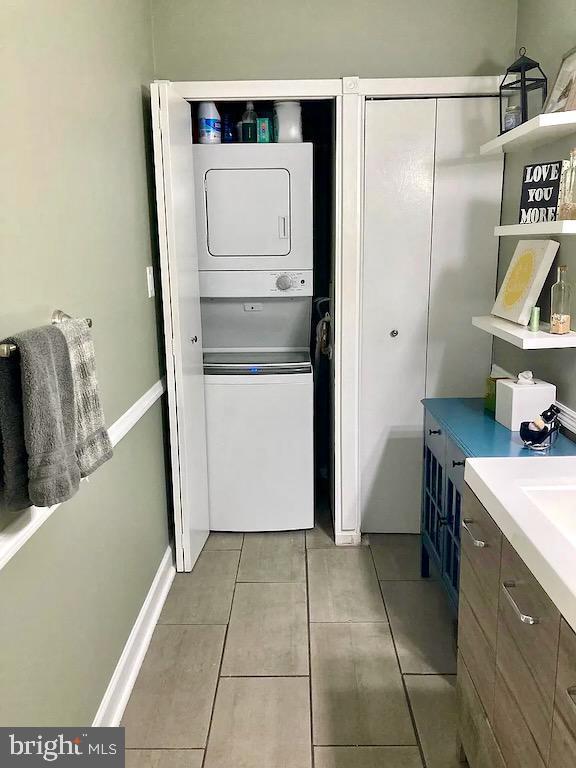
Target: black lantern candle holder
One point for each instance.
(522, 84)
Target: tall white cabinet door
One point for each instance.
(172, 130)
(399, 170)
(467, 194)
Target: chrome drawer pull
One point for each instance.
(477, 542)
(524, 618)
(434, 431)
(457, 464)
(572, 694)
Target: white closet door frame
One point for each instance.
(239, 90)
(347, 526)
(349, 94)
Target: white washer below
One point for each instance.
(260, 426)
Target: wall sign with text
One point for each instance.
(540, 187)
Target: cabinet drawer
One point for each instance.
(481, 544)
(513, 734)
(455, 465)
(528, 632)
(563, 748)
(478, 650)
(435, 438)
(481, 547)
(476, 735)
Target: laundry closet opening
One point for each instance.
(265, 233)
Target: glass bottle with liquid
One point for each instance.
(567, 194)
(560, 303)
(249, 123)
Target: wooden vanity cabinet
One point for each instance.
(476, 735)
(481, 546)
(563, 747)
(513, 681)
(528, 632)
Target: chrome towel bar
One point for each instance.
(57, 317)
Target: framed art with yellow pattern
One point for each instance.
(524, 279)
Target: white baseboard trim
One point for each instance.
(25, 525)
(122, 681)
(348, 539)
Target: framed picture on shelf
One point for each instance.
(562, 97)
(540, 190)
(524, 280)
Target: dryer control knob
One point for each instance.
(284, 282)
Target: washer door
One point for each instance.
(260, 452)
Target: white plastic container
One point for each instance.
(287, 121)
(209, 126)
(516, 402)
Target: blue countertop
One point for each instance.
(477, 433)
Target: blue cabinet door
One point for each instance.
(433, 517)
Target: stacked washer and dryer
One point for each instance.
(255, 241)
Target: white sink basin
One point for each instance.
(558, 503)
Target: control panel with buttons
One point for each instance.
(251, 284)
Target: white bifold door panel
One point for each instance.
(429, 265)
(399, 174)
(173, 161)
(248, 211)
(467, 195)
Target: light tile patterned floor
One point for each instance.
(279, 650)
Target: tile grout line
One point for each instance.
(219, 676)
(407, 697)
(350, 621)
(308, 628)
(259, 677)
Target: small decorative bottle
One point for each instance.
(567, 194)
(560, 304)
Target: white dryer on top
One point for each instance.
(254, 206)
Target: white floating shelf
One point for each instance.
(521, 337)
(542, 228)
(539, 130)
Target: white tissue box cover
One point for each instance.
(516, 403)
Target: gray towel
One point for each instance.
(13, 457)
(93, 445)
(49, 420)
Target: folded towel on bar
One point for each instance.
(93, 446)
(13, 456)
(49, 415)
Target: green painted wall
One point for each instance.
(69, 598)
(74, 204)
(260, 39)
(547, 30)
